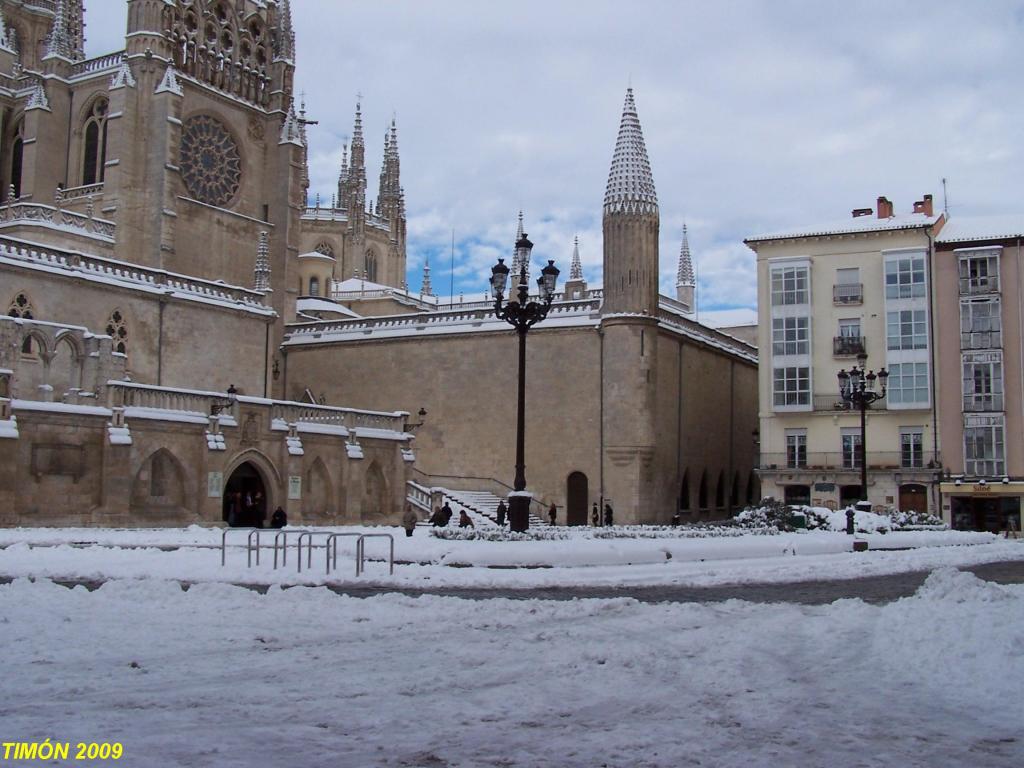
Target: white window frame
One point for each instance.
(849, 447)
(908, 435)
(786, 392)
(896, 374)
(981, 329)
(896, 322)
(990, 432)
(796, 448)
(992, 401)
(972, 260)
(795, 332)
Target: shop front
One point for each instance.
(993, 507)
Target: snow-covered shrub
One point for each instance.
(769, 513)
(903, 521)
(500, 534)
(694, 531)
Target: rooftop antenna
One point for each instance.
(451, 284)
(945, 198)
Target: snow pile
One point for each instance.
(774, 513)
(219, 675)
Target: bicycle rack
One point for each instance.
(309, 555)
(332, 550)
(361, 551)
(248, 548)
(224, 538)
(284, 549)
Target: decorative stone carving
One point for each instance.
(211, 165)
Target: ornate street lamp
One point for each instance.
(522, 315)
(857, 388)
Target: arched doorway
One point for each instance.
(913, 498)
(576, 499)
(245, 498)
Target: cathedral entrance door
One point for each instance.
(245, 498)
(576, 499)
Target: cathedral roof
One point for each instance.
(630, 183)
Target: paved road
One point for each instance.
(874, 589)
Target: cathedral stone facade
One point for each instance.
(182, 327)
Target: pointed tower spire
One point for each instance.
(630, 183)
(261, 272)
(343, 178)
(426, 289)
(59, 43)
(357, 166)
(686, 284)
(285, 48)
(516, 266)
(576, 268)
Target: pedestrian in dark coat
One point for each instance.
(608, 514)
(502, 511)
(553, 513)
(437, 519)
(409, 520)
(465, 521)
(595, 516)
(279, 519)
(447, 512)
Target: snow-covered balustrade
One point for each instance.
(164, 399)
(79, 223)
(88, 190)
(126, 272)
(349, 418)
(418, 495)
(98, 64)
(839, 460)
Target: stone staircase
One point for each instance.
(481, 506)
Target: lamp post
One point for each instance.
(857, 388)
(522, 315)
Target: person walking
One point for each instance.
(501, 512)
(553, 513)
(465, 521)
(595, 516)
(409, 520)
(437, 519)
(608, 515)
(447, 512)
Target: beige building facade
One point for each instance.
(827, 294)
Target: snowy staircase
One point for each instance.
(481, 506)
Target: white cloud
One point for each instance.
(758, 116)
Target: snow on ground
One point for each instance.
(99, 554)
(223, 676)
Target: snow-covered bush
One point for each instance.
(694, 531)
(771, 512)
(915, 520)
(500, 534)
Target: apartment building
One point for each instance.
(979, 286)
(826, 295)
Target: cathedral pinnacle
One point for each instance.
(59, 44)
(685, 276)
(169, 83)
(576, 268)
(630, 183)
(261, 273)
(285, 48)
(291, 129)
(426, 289)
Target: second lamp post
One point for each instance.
(522, 315)
(857, 388)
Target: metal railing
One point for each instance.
(331, 547)
(981, 340)
(361, 551)
(848, 293)
(848, 345)
(839, 460)
(975, 286)
(983, 403)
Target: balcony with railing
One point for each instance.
(979, 285)
(983, 403)
(840, 461)
(848, 293)
(848, 346)
(981, 339)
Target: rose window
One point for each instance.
(210, 164)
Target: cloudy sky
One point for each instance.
(757, 116)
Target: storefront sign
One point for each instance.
(825, 487)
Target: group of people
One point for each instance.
(248, 509)
(443, 515)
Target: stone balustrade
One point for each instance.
(78, 223)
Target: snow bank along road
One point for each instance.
(224, 676)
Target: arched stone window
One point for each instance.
(325, 249)
(371, 266)
(314, 286)
(720, 491)
(21, 306)
(702, 497)
(684, 493)
(94, 143)
(17, 155)
(117, 330)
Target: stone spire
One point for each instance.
(576, 268)
(285, 48)
(630, 183)
(261, 273)
(305, 144)
(426, 289)
(356, 192)
(686, 283)
(517, 256)
(291, 129)
(343, 178)
(59, 42)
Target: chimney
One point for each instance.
(924, 206)
(884, 208)
(858, 212)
